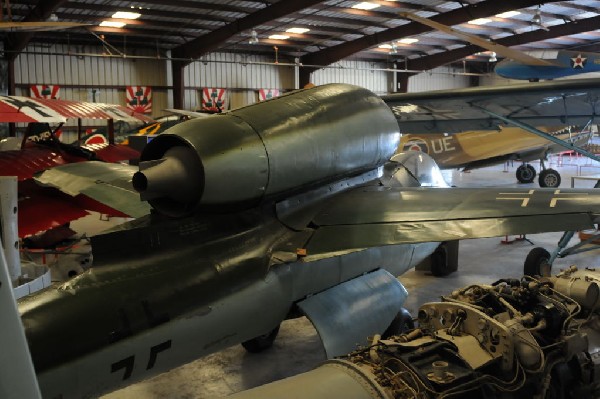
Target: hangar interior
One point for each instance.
(184, 59)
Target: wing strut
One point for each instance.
(534, 130)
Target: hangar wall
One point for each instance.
(87, 73)
(242, 74)
(78, 75)
(359, 73)
(440, 78)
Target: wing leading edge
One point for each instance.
(377, 216)
(542, 104)
(107, 183)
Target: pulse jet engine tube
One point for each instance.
(244, 156)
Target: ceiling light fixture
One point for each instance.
(508, 14)
(493, 57)
(537, 17)
(126, 15)
(112, 24)
(394, 49)
(480, 21)
(297, 30)
(253, 37)
(365, 5)
(408, 40)
(279, 37)
(385, 46)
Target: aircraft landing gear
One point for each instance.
(537, 263)
(549, 178)
(402, 323)
(525, 173)
(444, 260)
(262, 342)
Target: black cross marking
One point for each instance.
(155, 350)
(35, 107)
(126, 364)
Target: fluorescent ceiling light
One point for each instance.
(297, 30)
(113, 24)
(365, 5)
(279, 37)
(386, 46)
(508, 14)
(408, 40)
(126, 15)
(480, 21)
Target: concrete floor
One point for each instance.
(298, 348)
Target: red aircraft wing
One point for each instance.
(42, 208)
(25, 109)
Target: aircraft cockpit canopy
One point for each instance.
(412, 169)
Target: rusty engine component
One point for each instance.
(515, 338)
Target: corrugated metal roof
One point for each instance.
(332, 23)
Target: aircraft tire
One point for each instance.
(262, 342)
(549, 178)
(536, 262)
(525, 173)
(439, 262)
(402, 323)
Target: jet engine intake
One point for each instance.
(239, 158)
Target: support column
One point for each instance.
(9, 227)
(17, 377)
(10, 86)
(296, 73)
(304, 76)
(402, 82)
(178, 83)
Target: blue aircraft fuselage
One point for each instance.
(567, 63)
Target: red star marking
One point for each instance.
(578, 62)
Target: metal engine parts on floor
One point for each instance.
(515, 338)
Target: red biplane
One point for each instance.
(42, 208)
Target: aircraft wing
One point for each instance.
(550, 103)
(25, 109)
(189, 114)
(107, 183)
(375, 216)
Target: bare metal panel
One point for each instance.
(360, 307)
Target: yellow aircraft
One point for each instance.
(481, 148)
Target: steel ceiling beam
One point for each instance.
(460, 15)
(211, 41)
(16, 42)
(571, 28)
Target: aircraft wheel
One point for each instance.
(536, 263)
(262, 342)
(402, 323)
(439, 262)
(549, 178)
(525, 173)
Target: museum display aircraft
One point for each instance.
(519, 65)
(285, 207)
(41, 208)
(137, 137)
(478, 149)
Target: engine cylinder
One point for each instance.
(269, 149)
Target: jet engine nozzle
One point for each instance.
(267, 151)
(175, 181)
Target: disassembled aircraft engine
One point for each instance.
(514, 338)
